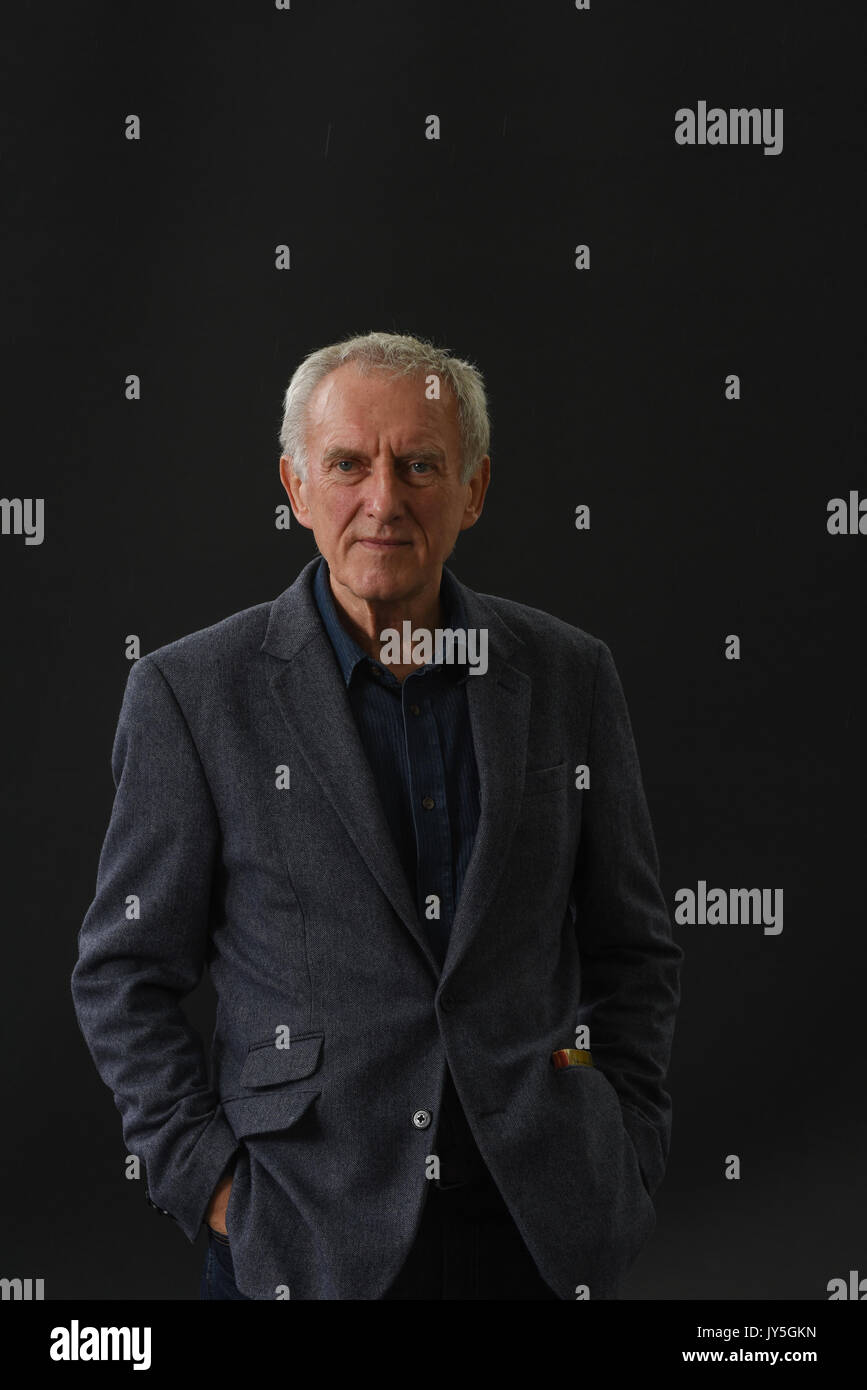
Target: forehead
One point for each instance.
(373, 403)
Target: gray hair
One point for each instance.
(403, 355)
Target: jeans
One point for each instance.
(467, 1247)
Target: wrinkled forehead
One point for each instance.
(377, 400)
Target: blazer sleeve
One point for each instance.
(135, 965)
(630, 964)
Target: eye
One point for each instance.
(414, 464)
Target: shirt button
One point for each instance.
(421, 1119)
(428, 803)
(414, 709)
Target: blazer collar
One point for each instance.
(295, 618)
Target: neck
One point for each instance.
(366, 619)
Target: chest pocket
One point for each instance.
(269, 1065)
(546, 779)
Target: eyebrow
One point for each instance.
(427, 454)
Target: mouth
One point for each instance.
(382, 545)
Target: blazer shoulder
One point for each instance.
(221, 647)
(539, 629)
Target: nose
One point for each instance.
(383, 492)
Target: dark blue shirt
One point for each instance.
(419, 743)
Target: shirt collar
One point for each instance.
(347, 650)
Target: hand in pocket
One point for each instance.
(215, 1216)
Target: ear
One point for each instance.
(478, 486)
(295, 491)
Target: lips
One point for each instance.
(381, 545)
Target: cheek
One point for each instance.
(337, 509)
(437, 514)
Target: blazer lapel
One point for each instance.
(313, 701)
(499, 706)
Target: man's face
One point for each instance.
(383, 495)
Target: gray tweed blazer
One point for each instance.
(247, 837)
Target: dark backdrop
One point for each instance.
(157, 257)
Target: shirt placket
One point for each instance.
(434, 873)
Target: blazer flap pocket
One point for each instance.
(545, 779)
(272, 1110)
(268, 1065)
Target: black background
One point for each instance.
(307, 127)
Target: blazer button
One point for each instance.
(421, 1119)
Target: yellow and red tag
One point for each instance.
(571, 1057)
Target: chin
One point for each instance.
(384, 562)
(383, 578)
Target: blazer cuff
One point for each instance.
(184, 1192)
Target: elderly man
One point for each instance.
(425, 885)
